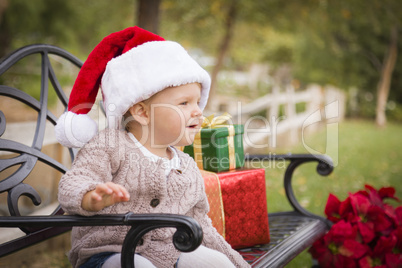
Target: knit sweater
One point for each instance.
(113, 156)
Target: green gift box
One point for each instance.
(218, 148)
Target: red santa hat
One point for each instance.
(129, 66)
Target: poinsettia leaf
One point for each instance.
(353, 249)
(398, 234)
(345, 208)
(345, 251)
(375, 198)
(390, 213)
(384, 245)
(366, 262)
(362, 192)
(398, 214)
(365, 193)
(387, 192)
(369, 187)
(344, 262)
(318, 248)
(327, 260)
(393, 260)
(360, 203)
(377, 216)
(353, 219)
(367, 231)
(332, 208)
(340, 231)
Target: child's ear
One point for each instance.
(139, 112)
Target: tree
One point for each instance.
(148, 15)
(208, 24)
(33, 22)
(230, 19)
(4, 35)
(387, 69)
(75, 25)
(357, 46)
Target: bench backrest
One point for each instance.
(20, 158)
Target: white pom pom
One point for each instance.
(75, 130)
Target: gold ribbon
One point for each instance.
(214, 196)
(197, 146)
(231, 145)
(215, 122)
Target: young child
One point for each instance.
(158, 91)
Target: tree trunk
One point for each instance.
(223, 48)
(148, 15)
(5, 39)
(385, 78)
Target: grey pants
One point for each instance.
(202, 257)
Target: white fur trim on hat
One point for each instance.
(145, 70)
(75, 130)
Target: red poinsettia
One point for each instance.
(367, 232)
(339, 247)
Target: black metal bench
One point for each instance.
(291, 232)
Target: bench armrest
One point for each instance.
(324, 167)
(188, 235)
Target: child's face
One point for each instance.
(175, 117)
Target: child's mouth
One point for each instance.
(192, 126)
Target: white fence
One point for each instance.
(272, 115)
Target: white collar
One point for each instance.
(167, 164)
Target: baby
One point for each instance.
(158, 92)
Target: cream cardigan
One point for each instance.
(113, 156)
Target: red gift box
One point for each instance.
(238, 206)
(245, 207)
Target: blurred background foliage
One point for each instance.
(342, 43)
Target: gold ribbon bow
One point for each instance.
(215, 122)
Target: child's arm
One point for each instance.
(104, 195)
(95, 164)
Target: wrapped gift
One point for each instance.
(245, 207)
(244, 219)
(218, 147)
(214, 195)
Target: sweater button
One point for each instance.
(179, 171)
(154, 202)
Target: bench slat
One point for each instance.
(291, 233)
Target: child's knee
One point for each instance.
(204, 257)
(114, 262)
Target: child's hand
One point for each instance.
(105, 194)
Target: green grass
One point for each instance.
(364, 154)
